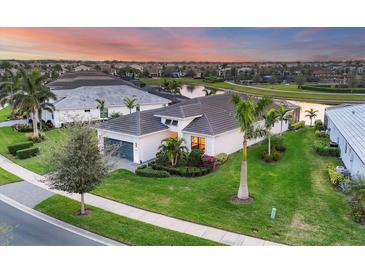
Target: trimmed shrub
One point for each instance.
(358, 212)
(297, 125)
(14, 148)
(318, 125)
(221, 158)
(209, 162)
(147, 171)
(335, 177)
(195, 157)
(27, 152)
(278, 144)
(181, 171)
(274, 156)
(322, 148)
(320, 133)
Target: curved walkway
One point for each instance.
(206, 232)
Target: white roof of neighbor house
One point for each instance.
(350, 121)
(85, 97)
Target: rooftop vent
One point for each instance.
(353, 112)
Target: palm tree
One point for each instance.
(283, 116)
(173, 148)
(30, 95)
(174, 87)
(311, 113)
(101, 104)
(210, 91)
(130, 103)
(248, 113)
(271, 117)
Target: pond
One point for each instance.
(191, 91)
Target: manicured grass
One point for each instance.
(5, 113)
(7, 178)
(309, 210)
(39, 164)
(114, 226)
(296, 94)
(282, 87)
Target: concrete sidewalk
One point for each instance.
(202, 231)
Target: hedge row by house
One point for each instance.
(331, 89)
(147, 171)
(335, 177)
(322, 148)
(27, 152)
(297, 125)
(181, 171)
(14, 148)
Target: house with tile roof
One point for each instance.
(346, 127)
(205, 123)
(77, 94)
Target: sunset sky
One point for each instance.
(183, 44)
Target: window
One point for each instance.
(87, 110)
(168, 122)
(198, 143)
(174, 122)
(104, 113)
(138, 108)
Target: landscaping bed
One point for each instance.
(309, 211)
(116, 227)
(40, 163)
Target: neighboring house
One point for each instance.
(82, 68)
(346, 127)
(77, 94)
(206, 123)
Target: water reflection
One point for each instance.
(191, 91)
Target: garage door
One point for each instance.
(122, 149)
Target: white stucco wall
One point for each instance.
(72, 115)
(348, 156)
(148, 144)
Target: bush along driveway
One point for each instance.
(309, 211)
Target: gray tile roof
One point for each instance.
(350, 121)
(137, 124)
(214, 114)
(85, 97)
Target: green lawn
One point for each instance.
(114, 226)
(309, 211)
(39, 164)
(7, 178)
(295, 95)
(5, 113)
(282, 87)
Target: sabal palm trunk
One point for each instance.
(243, 189)
(269, 148)
(35, 123)
(281, 127)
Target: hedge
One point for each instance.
(27, 153)
(181, 171)
(335, 177)
(323, 149)
(14, 148)
(334, 90)
(147, 171)
(297, 125)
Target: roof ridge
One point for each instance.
(210, 126)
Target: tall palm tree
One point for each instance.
(311, 113)
(174, 148)
(283, 113)
(130, 103)
(271, 117)
(248, 112)
(174, 87)
(101, 104)
(30, 95)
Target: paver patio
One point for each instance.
(156, 219)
